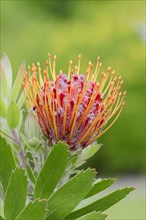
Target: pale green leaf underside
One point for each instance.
(17, 84)
(3, 81)
(92, 216)
(86, 154)
(2, 108)
(20, 101)
(13, 115)
(8, 72)
(91, 150)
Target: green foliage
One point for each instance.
(16, 194)
(86, 153)
(65, 196)
(100, 185)
(92, 216)
(51, 173)
(7, 163)
(3, 81)
(34, 211)
(32, 130)
(101, 204)
(6, 73)
(10, 103)
(17, 84)
(2, 108)
(70, 194)
(13, 115)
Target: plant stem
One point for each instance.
(21, 152)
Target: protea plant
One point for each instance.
(45, 145)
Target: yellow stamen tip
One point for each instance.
(124, 93)
(115, 79)
(109, 69)
(100, 65)
(112, 83)
(123, 104)
(38, 64)
(76, 68)
(119, 78)
(119, 94)
(45, 72)
(103, 75)
(98, 58)
(79, 57)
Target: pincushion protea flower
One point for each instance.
(75, 108)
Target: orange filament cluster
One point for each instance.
(75, 108)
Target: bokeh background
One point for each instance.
(115, 30)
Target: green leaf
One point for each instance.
(8, 72)
(1, 218)
(4, 134)
(3, 80)
(16, 194)
(34, 141)
(92, 216)
(20, 101)
(17, 84)
(24, 141)
(30, 174)
(7, 163)
(2, 108)
(100, 185)
(101, 204)
(90, 151)
(1, 205)
(52, 171)
(87, 153)
(13, 116)
(32, 128)
(33, 211)
(67, 197)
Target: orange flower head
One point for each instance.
(75, 108)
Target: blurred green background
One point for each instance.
(112, 29)
(115, 30)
